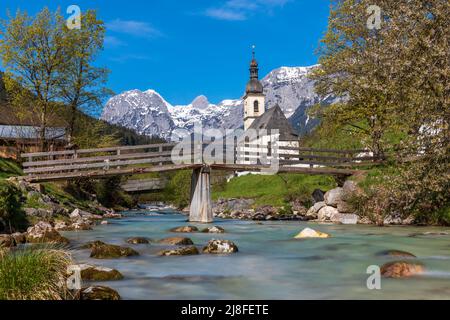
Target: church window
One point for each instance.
(256, 106)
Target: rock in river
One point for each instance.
(184, 229)
(101, 250)
(98, 273)
(99, 293)
(220, 246)
(176, 241)
(138, 240)
(44, 232)
(214, 229)
(310, 233)
(183, 251)
(401, 269)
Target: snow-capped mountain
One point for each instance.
(145, 112)
(148, 113)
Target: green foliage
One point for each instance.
(276, 190)
(31, 50)
(83, 84)
(9, 168)
(107, 191)
(34, 273)
(11, 215)
(178, 189)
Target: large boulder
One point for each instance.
(318, 195)
(213, 229)
(101, 250)
(220, 246)
(75, 214)
(138, 240)
(186, 229)
(183, 251)
(311, 233)
(401, 269)
(99, 293)
(176, 241)
(328, 213)
(334, 196)
(350, 188)
(44, 232)
(98, 273)
(314, 210)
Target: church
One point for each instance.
(257, 118)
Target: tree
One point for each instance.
(394, 79)
(353, 68)
(33, 55)
(83, 83)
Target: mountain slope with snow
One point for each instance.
(148, 113)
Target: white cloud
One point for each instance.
(225, 14)
(112, 41)
(128, 57)
(235, 10)
(134, 28)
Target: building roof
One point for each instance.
(272, 119)
(11, 132)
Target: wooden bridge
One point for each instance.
(199, 157)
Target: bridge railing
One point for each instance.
(133, 159)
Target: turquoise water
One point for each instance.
(270, 264)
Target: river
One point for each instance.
(270, 264)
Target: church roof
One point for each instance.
(274, 118)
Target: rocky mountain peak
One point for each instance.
(201, 102)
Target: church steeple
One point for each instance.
(253, 85)
(253, 66)
(254, 99)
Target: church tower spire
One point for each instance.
(254, 98)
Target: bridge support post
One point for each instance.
(200, 208)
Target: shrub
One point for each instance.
(34, 273)
(12, 216)
(178, 190)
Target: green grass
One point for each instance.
(275, 190)
(33, 273)
(9, 168)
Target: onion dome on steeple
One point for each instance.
(253, 85)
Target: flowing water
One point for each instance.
(270, 264)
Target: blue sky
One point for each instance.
(184, 48)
